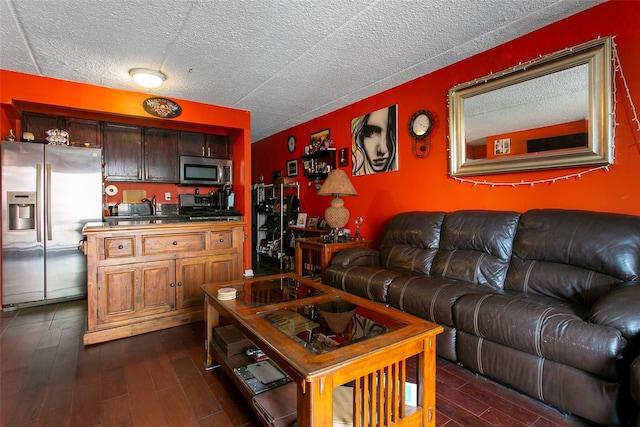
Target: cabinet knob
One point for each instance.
(179, 283)
(120, 247)
(221, 240)
(175, 243)
(171, 285)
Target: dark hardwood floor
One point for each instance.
(48, 378)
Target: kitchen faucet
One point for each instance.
(152, 204)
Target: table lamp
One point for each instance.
(336, 185)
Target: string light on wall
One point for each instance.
(617, 67)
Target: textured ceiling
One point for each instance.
(285, 61)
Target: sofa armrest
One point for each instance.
(619, 309)
(357, 256)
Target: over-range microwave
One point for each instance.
(205, 171)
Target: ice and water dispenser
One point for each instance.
(22, 210)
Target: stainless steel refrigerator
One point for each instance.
(48, 193)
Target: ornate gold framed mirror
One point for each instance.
(553, 112)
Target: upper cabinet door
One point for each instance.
(123, 152)
(83, 131)
(161, 155)
(191, 144)
(38, 124)
(217, 146)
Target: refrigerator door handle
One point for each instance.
(49, 212)
(38, 219)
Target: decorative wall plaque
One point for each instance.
(162, 107)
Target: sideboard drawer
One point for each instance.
(222, 239)
(119, 247)
(172, 243)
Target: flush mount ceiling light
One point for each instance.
(146, 77)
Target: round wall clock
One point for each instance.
(291, 144)
(420, 124)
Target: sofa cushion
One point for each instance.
(410, 241)
(574, 255)
(475, 246)
(429, 298)
(546, 327)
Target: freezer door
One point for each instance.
(22, 246)
(73, 181)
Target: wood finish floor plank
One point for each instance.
(145, 406)
(176, 408)
(116, 412)
(200, 397)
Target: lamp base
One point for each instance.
(336, 214)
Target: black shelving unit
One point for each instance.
(319, 163)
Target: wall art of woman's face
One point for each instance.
(374, 142)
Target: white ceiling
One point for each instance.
(285, 61)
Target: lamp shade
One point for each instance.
(337, 184)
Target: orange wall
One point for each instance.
(424, 184)
(18, 91)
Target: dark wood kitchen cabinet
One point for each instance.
(160, 155)
(142, 278)
(38, 124)
(123, 159)
(133, 153)
(204, 145)
(84, 131)
(81, 131)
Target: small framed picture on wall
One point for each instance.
(343, 157)
(320, 140)
(292, 167)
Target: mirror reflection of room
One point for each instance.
(541, 114)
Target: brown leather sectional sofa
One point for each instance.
(547, 302)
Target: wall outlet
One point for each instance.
(167, 196)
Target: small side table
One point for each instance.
(316, 248)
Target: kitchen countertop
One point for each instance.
(113, 223)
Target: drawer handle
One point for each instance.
(120, 247)
(171, 285)
(221, 240)
(179, 283)
(175, 243)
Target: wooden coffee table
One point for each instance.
(285, 315)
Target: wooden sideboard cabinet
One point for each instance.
(142, 278)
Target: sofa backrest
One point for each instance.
(475, 246)
(410, 241)
(574, 255)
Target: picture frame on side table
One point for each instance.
(292, 167)
(313, 222)
(301, 222)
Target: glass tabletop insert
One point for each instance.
(330, 324)
(272, 291)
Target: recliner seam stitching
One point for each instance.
(476, 271)
(404, 287)
(447, 263)
(527, 276)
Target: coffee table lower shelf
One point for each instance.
(275, 404)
